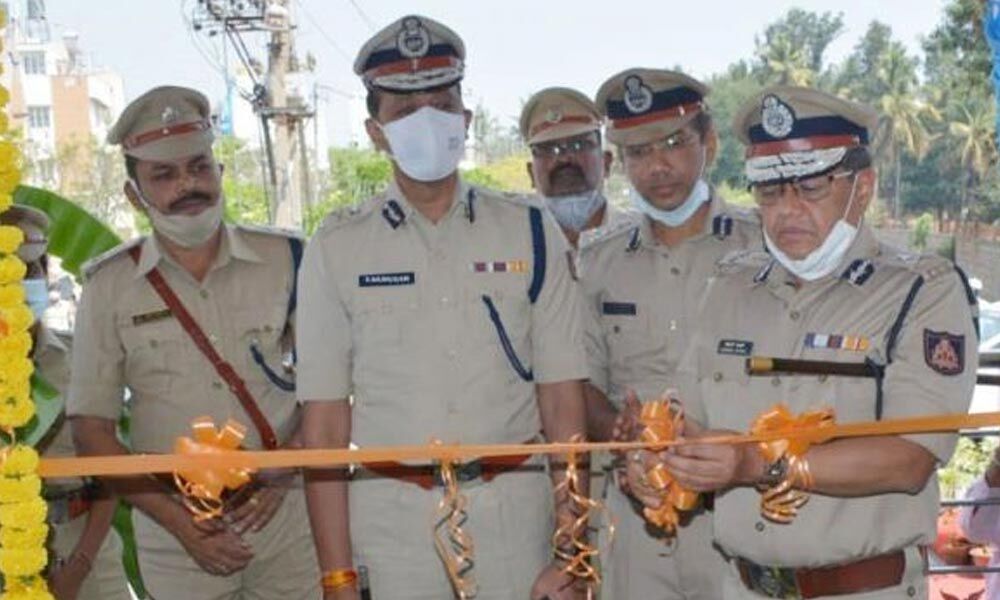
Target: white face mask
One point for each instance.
(188, 231)
(36, 294)
(428, 144)
(700, 193)
(573, 211)
(828, 256)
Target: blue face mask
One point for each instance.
(700, 193)
(36, 294)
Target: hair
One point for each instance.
(372, 98)
(130, 168)
(702, 123)
(857, 158)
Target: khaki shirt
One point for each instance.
(126, 338)
(398, 318)
(751, 308)
(642, 297)
(52, 360)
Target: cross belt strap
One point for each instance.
(225, 370)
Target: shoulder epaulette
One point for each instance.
(598, 236)
(93, 265)
(738, 260)
(269, 230)
(929, 266)
(341, 217)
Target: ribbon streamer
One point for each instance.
(581, 555)
(452, 543)
(202, 487)
(662, 420)
(781, 503)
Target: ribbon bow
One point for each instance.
(781, 502)
(662, 424)
(202, 488)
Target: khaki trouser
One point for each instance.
(913, 585)
(106, 580)
(284, 565)
(643, 565)
(510, 521)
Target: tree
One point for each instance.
(858, 77)
(958, 58)
(971, 136)
(795, 45)
(243, 182)
(729, 91)
(91, 175)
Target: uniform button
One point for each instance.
(204, 293)
(444, 300)
(775, 381)
(911, 591)
(794, 315)
(717, 376)
(822, 378)
(675, 271)
(213, 338)
(452, 409)
(153, 343)
(268, 329)
(452, 354)
(759, 526)
(673, 325)
(217, 385)
(616, 329)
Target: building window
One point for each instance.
(39, 117)
(34, 63)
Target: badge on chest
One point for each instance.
(386, 279)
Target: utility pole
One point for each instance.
(282, 116)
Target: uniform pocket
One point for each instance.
(154, 354)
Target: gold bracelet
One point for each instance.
(338, 578)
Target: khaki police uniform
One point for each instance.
(441, 332)
(106, 580)
(641, 300)
(912, 315)
(127, 339)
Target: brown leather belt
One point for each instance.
(866, 575)
(429, 476)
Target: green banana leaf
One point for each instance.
(48, 406)
(75, 236)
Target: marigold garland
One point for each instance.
(23, 529)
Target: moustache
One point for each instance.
(569, 170)
(187, 200)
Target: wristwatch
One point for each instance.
(775, 473)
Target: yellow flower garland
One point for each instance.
(23, 529)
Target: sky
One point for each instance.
(514, 47)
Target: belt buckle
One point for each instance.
(773, 582)
(464, 473)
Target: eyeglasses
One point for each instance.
(566, 148)
(673, 142)
(812, 189)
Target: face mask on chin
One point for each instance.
(700, 193)
(574, 211)
(188, 231)
(826, 258)
(36, 295)
(428, 144)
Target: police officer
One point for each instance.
(446, 312)
(236, 285)
(642, 280)
(562, 129)
(86, 559)
(826, 290)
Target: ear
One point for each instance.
(531, 173)
(131, 190)
(609, 159)
(865, 192)
(711, 146)
(222, 169)
(377, 136)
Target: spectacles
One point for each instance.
(566, 148)
(812, 189)
(673, 142)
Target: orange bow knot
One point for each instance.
(662, 424)
(781, 502)
(203, 487)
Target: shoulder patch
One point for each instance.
(930, 266)
(93, 265)
(282, 232)
(527, 200)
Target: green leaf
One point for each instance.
(75, 236)
(48, 406)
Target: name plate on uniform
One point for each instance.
(736, 347)
(619, 308)
(149, 317)
(383, 279)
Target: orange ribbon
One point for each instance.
(203, 487)
(578, 554)
(661, 425)
(781, 502)
(454, 546)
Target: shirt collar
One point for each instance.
(463, 201)
(716, 207)
(864, 247)
(233, 245)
